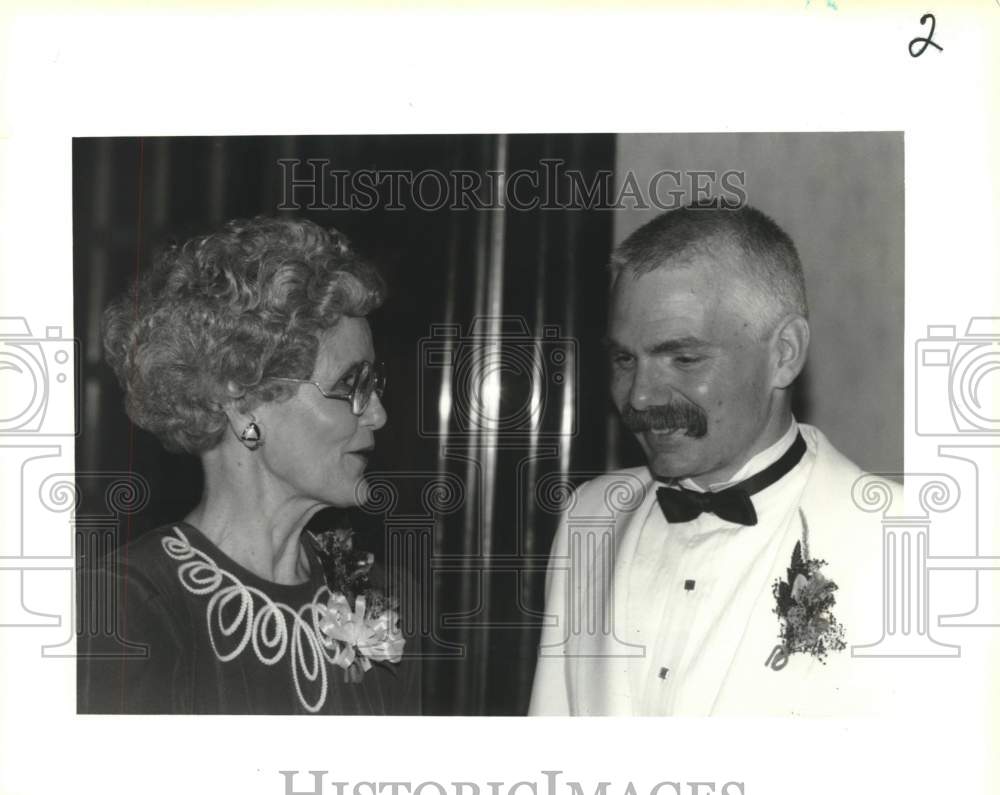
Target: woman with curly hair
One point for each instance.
(250, 349)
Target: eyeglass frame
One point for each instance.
(375, 371)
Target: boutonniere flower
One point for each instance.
(359, 636)
(804, 604)
(359, 623)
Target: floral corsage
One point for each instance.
(359, 623)
(804, 603)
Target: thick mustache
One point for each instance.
(670, 417)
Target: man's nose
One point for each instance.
(647, 389)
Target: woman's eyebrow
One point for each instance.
(346, 370)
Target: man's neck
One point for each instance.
(777, 430)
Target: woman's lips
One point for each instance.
(362, 454)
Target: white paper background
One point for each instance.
(448, 71)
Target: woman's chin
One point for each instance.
(362, 492)
(345, 494)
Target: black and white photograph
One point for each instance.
(387, 369)
(465, 402)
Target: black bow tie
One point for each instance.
(732, 504)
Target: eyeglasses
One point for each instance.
(368, 378)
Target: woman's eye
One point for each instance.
(345, 384)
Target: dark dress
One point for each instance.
(161, 587)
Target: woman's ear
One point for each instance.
(232, 404)
(790, 346)
(232, 401)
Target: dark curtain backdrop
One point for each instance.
(491, 335)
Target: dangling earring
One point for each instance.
(250, 435)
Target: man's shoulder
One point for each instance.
(838, 477)
(609, 493)
(845, 508)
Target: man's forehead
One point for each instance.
(687, 301)
(663, 293)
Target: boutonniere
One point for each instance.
(359, 623)
(804, 604)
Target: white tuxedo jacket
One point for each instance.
(585, 662)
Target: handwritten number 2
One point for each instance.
(921, 44)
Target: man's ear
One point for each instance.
(789, 346)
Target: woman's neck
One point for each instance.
(271, 552)
(254, 523)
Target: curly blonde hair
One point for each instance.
(238, 306)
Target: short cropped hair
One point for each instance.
(238, 306)
(758, 252)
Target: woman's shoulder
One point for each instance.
(144, 563)
(133, 639)
(140, 587)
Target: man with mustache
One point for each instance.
(734, 572)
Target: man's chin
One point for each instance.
(672, 465)
(661, 472)
(668, 454)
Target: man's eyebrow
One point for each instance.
(676, 344)
(673, 345)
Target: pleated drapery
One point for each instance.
(497, 396)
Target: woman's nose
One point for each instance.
(374, 414)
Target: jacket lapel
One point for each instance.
(803, 685)
(757, 682)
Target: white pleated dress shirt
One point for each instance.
(693, 585)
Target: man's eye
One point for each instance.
(687, 361)
(621, 359)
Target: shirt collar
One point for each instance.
(758, 463)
